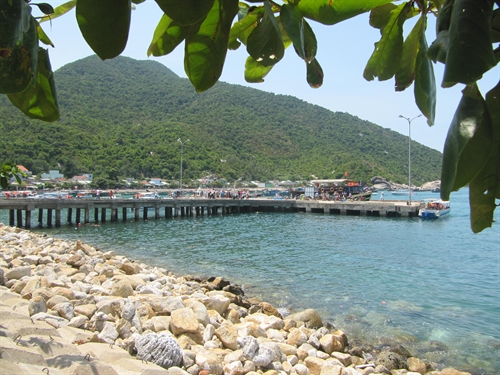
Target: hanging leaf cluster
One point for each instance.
(25, 72)
(466, 33)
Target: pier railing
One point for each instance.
(51, 212)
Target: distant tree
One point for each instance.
(466, 31)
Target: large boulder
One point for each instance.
(183, 321)
(310, 318)
(391, 360)
(161, 349)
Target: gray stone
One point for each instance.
(37, 305)
(263, 357)
(249, 346)
(391, 360)
(161, 349)
(18, 272)
(310, 318)
(65, 310)
(109, 333)
(78, 321)
(128, 310)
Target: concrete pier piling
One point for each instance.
(20, 210)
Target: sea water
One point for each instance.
(431, 286)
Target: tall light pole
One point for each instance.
(182, 151)
(409, 152)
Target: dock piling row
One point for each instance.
(188, 208)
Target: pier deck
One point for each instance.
(96, 210)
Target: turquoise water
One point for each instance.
(432, 286)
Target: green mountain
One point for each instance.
(122, 118)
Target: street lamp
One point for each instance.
(409, 152)
(182, 150)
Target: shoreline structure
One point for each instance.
(68, 308)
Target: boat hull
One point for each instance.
(435, 210)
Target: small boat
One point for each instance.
(402, 192)
(434, 209)
(341, 188)
(148, 195)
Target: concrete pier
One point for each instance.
(147, 209)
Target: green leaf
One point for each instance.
(255, 71)
(243, 9)
(293, 23)
(206, 45)
(265, 43)
(39, 101)
(444, 16)
(468, 142)
(186, 12)
(244, 27)
(411, 47)
(439, 48)
(495, 26)
(385, 60)
(314, 74)
(484, 189)
(330, 12)
(470, 52)
(44, 8)
(168, 35)
(7, 171)
(310, 43)
(425, 82)
(14, 22)
(379, 16)
(104, 25)
(30, 43)
(43, 37)
(19, 64)
(60, 10)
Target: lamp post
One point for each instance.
(182, 151)
(409, 152)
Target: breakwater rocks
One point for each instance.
(68, 308)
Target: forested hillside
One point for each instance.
(122, 118)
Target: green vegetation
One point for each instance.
(466, 31)
(121, 118)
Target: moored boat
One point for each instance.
(341, 189)
(402, 192)
(434, 209)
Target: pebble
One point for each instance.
(127, 317)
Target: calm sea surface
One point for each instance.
(432, 286)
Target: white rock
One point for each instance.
(301, 369)
(109, 333)
(263, 357)
(18, 272)
(78, 321)
(208, 333)
(233, 368)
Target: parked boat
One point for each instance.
(435, 209)
(402, 192)
(147, 195)
(342, 189)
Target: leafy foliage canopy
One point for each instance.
(466, 32)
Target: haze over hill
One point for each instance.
(122, 118)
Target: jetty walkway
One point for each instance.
(22, 211)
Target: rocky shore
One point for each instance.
(68, 308)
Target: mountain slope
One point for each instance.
(122, 117)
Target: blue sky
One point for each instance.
(343, 51)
